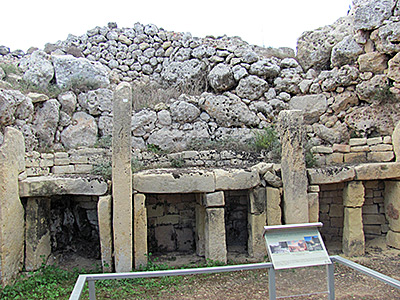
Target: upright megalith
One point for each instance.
(294, 176)
(122, 178)
(392, 212)
(104, 211)
(12, 163)
(140, 230)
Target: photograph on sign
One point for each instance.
(296, 247)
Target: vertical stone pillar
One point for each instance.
(122, 178)
(313, 207)
(392, 211)
(214, 227)
(104, 211)
(200, 226)
(274, 212)
(139, 230)
(353, 233)
(294, 177)
(12, 227)
(37, 232)
(257, 219)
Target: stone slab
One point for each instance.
(256, 242)
(313, 207)
(233, 179)
(214, 199)
(12, 223)
(392, 204)
(104, 214)
(353, 233)
(44, 186)
(393, 239)
(258, 200)
(215, 235)
(333, 174)
(354, 194)
(199, 231)
(274, 212)
(139, 230)
(37, 232)
(173, 181)
(377, 171)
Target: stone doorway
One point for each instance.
(236, 221)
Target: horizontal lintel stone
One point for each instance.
(329, 175)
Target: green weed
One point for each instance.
(104, 142)
(104, 169)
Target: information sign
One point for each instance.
(295, 246)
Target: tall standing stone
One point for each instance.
(392, 211)
(104, 211)
(274, 213)
(215, 236)
(294, 177)
(12, 162)
(37, 232)
(122, 178)
(139, 230)
(200, 225)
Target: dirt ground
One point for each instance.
(349, 284)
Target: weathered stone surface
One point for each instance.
(394, 68)
(68, 102)
(396, 141)
(294, 175)
(200, 229)
(221, 78)
(174, 181)
(393, 239)
(12, 102)
(172, 139)
(387, 38)
(374, 62)
(258, 200)
(79, 72)
(186, 72)
(344, 101)
(214, 199)
(43, 186)
(265, 68)
(354, 194)
(274, 212)
(353, 233)
(82, 131)
(97, 101)
(39, 70)
(392, 204)
(143, 122)
(312, 106)
(376, 171)
(122, 178)
(37, 232)
(367, 90)
(256, 242)
(184, 112)
(228, 111)
(251, 87)
(371, 14)
(235, 179)
(139, 230)
(104, 214)
(12, 231)
(313, 207)
(215, 245)
(46, 121)
(345, 52)
(272, 179)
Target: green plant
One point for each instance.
(153, 148)
(104, 142)
(309, 156)
(177, 162)
(103, 168)
(136, 165)
(267, 139)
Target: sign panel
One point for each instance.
(295, 246)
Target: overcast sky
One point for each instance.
(275, 23)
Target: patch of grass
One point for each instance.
(104, 169)
(266, 139)
(309, 156)
(153, 148)
(177, 162)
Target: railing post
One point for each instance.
(271, 284)
(92, 290)
(330, 270)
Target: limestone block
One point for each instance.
(294, 176)
(353, 233)
(104, 213)
(274, 212)
(214, 199)
(236, 179)
(215, 236)
(334, 159)
(393, 239)
(392, 204)
(37, 232)
(139, 230)
(355, 157)
(256, 242)
(43, 186)
(12, 229)
(374, 62)
(199, 232)
(354, 194)
(69, 169)
(396, 141)
(174, 181)
(313, 207)
(164, 237)
(258, 200)
(380, 156)
(122, 178)
(377, 171)
(331, 174)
